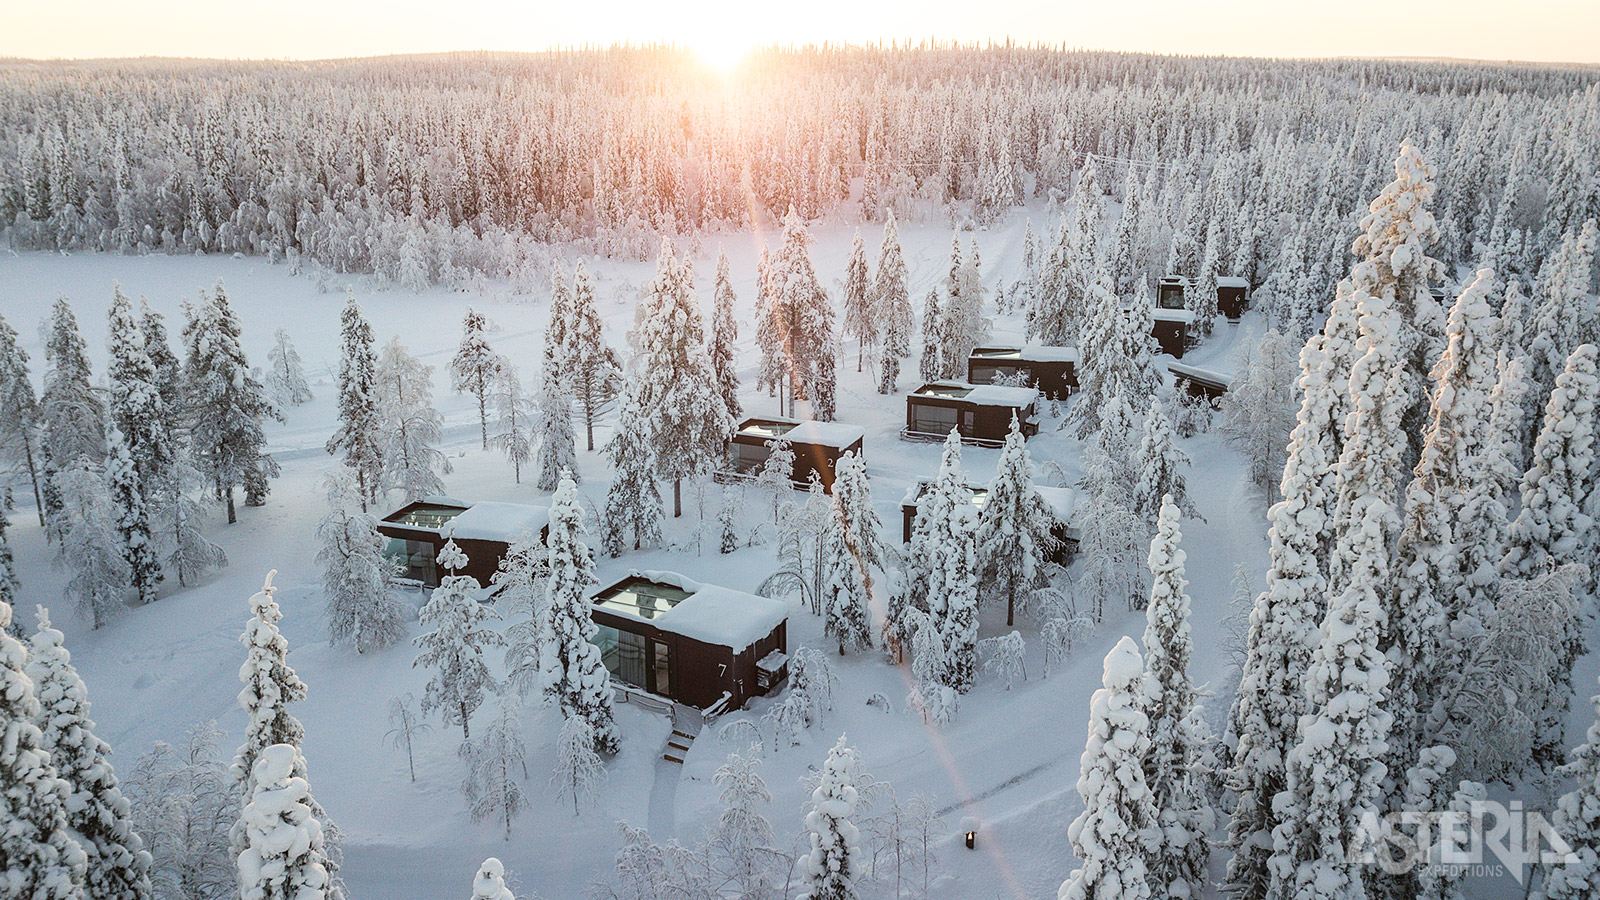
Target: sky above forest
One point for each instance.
(722, 31)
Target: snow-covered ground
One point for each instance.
(1010, 759)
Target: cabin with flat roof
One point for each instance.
(697, 644)
(483, 530)
(1053, 370)
(817, 447)
(1198, 382)
(981, 412)
(1233, 295)
(1062, 501)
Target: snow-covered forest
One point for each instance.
(1265, 613)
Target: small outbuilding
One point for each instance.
(1062, 501)
(1233, 295)
(697, 644)
(1053, 370)
(981, 412)
(484, 531)
(1198, 382)
(817, 446)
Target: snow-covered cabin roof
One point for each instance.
(711, 614)
(1029, 353)
(1186, 316)
(494, 521)
(980, 394)
(823, 434)
(1233, 281)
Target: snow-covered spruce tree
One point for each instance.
(284, 857)
(137, 416)
(286, 374)
(724, 332)
(633, 501)
(672, 389)
(1258, 411)
(928, 364)
(91, 543)
(360, 418)
(1427, 621)
(835, 862)
(454, 648)
(1577, 820)
(552, 429)
(408, 427)
(513, 429)
(40, 858)
(1394, 265)
(497, 762)
(578, 771)
(574, 675)
(1552, 526)
(1161, 463)
(1115, 833)
(19, 409)
(357, 579)
(741, 845)
(861, 319)
(1016, 528)
(596, 372)
(490, 882)
(1172, 766)
(132, 514)
(226, 405)
(97, 812)
(1283, 622)
(475, 366)
(855, 550)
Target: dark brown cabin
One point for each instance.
(1053, 370)
(692, 643)
(484, 531)
(817, 447)
(1062, 501)
(982, 412)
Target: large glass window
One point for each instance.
(932, 419)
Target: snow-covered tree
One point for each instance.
(1161, 463)
(226, 404)
(497, 762)
(284, 857)
(97, 811)
(1016, 528)
(1577, 820)
(854, 549)
(1113, 836)
(476, 366)
(633, 502)
(42, 857)
(409, 428)
(673, 388)
(513, 430)
(578, 772)
(358, 435)
(596, 372)
(357, 579)
(1258, 411)
(1553, 526)
(861, 319)
(834, 866)
(1172, 765)
(575, 676)
(132, 514)
(19, 409)
(286, 374)
(91, 544)
(454, 647)
(724, 332)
